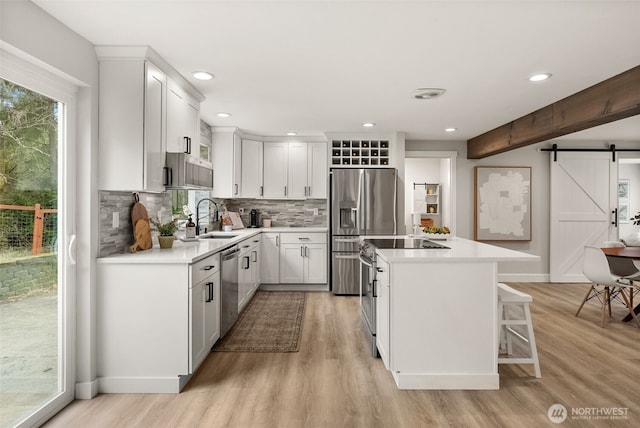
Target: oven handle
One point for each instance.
(366, 261)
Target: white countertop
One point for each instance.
(192, 251)
(460, 250)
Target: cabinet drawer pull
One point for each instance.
(235, 189)
(209, 292)
(261, 190)
(209, 267)
(304, 239)
(277, 240)
(309, 190)
(285, 190)
(301, 251)
(255, 256)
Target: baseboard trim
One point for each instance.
(447, 381)
(86, 390)
(294, 287)
(146, 385)
(523, 277)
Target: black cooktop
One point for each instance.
(412, 244)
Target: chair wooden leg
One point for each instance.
(629, 306)
(604, 305)
(585, 300)
(608, 295)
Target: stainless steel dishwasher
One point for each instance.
(229, 289)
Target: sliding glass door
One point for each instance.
(36, 244)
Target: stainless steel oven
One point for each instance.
(368, 294)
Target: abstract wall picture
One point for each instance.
(502, 203)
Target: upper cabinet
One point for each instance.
(226, 154)
(134, 117)
(183, 123)
(132, 131)
(276, 161)
(252, 169)
(295, 170)
(317, 173)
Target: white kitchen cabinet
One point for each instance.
(276, 158)
(270, 267)
(248, 270)
(204, 301)
(132, 125)
(154, 323)
(317, 171)
(226, 153)
(382, 310)
(295, 170)
(183, 123)
(303, 258)
(252, 164)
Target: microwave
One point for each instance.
(183, 172)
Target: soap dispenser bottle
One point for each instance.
(191, 229)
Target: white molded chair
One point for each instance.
(596, 268)
(622, 267)
(513, 310)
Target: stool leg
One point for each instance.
(501, 329)
(532, 341)
(506, 330)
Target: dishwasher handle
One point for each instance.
(230, 253)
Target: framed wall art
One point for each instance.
(623, 190)
(502, 203)
(623, 212)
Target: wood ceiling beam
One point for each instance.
(613, 99)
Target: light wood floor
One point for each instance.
(334, 382)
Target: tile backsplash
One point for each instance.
(282, 212)
(117, 240)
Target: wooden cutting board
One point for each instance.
(141, 228)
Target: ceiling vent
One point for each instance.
(427, 93)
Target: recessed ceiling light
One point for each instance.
(427, 93)
(202, 75)
(223, 114)
(291, 134)
(451, 129)
(539, 77)
(368, 124)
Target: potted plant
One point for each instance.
(165, 232)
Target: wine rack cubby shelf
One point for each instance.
(359, 153)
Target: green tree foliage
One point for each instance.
(28, 146)
(28, 163)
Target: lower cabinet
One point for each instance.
(155, 323)
(303, 258)
(270, 252)
(204, 301)
(248, 270)
(382, 310)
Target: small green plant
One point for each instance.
(636, 219)
(165, 229)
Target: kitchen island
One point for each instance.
(436, 323)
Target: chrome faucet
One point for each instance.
(215, 213)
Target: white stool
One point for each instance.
(511, 298)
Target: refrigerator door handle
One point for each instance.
(347, 256)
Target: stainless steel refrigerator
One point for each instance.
(363, 202)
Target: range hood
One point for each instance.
(182, 172)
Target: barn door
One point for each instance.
(583, 201)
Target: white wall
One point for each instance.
(540, 167)
(39, 38)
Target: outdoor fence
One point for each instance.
(24, 227)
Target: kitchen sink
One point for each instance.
(218, 237)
